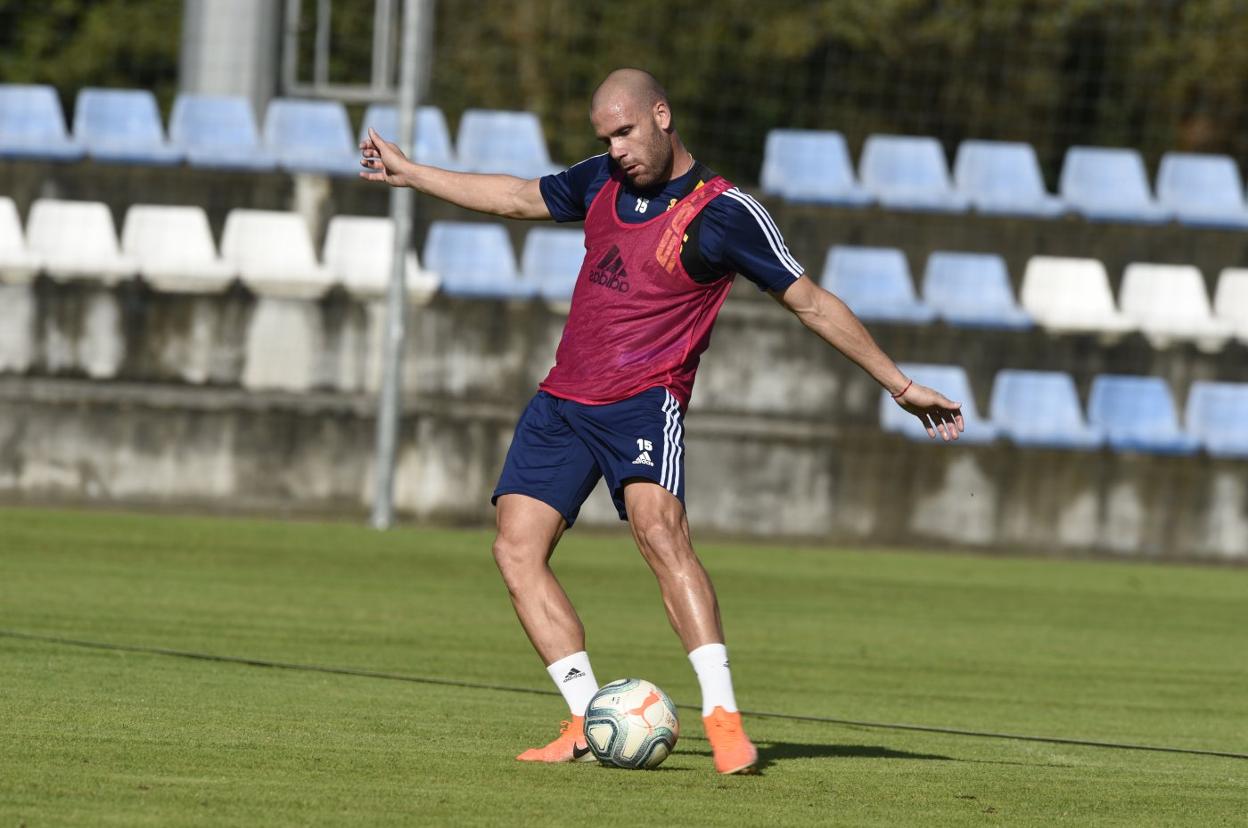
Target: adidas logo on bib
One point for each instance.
(643, 459)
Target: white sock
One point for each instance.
(575, 680)
(710, 662)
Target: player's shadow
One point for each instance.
(771, 752)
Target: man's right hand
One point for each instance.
(383, 161)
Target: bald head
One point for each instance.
(631, 115)
(628, 88)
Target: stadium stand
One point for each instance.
(311, 137)
(1170, 303)
(77, 241)
(358, 252)
(1202, 190)
(18, 264)
(1041, 409)
(474, 259)
(552, 261)
(1138, 414)
(17, 327)
(218, 132)
(433, 139)
(32, 125)
(810, 166)
(1214, 414)
(908, 173)
(122, 126)
(274, 254)
(174, 249)
(875, 282)
(1003, 178)
(954, 384)
(972, 290)
(1230, 300)
(498, 141)
(1109, 184)
(1069, 295)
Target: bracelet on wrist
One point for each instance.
(900, 393)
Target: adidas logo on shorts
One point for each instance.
(643, 459)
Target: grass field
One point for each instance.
(1101, 651)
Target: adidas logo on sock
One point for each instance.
(643, 459)
(572, 674)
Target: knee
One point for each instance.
(664, 543)
(514, 556)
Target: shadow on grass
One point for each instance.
(771, 752)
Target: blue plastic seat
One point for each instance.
(1215, 416)
(32, 125)
(875, 282)
(1003, 178)
(1041, 409)
(433, 139)
(1137, 414)
(1105, 184)
(218, 132)
(473, 259)
(1202, 190)
(497, 141)
(950, 380)
(972, 290)
(909, 173)
(810, 166)
(122, 126)
(551, 261)
(311, 137)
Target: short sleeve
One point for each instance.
(569, 193)
(739, 236)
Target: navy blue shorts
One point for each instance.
(562, 448)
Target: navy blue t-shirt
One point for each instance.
(736, 235)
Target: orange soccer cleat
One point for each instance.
(734, 752)
(569, 747)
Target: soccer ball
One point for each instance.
(630, 723)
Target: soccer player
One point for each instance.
(664, 236)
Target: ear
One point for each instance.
(663, 116)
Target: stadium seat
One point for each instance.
(552, 262)
(474, 259)
(497, 141)
(358, 252)
(1202, 190)
(1003, 178)
(433, 139)
(1230, 300)
(1066, 295)
(1041, 409)
(218, 132)
(174, 249)
(17, 327)
(908, 173)
(32, 125)
(950, 380)
(122, 126)
(1215, 417)
(810, 166)
(875, 282)
(1170, 303)
(77, 240)
(18, 264)
(311, 137)
(273, 253)
(1106, 184)
(972, 290)
(1137, 414)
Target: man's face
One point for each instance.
(636, 137)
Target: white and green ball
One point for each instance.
(631, 723)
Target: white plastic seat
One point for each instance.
(1170, 303)
(1068, 295)
(358, 252)
(551, 261)
(174, 249)
(18, 265)
(77, 240)
(500, 141)
(274, 255)
(1230, 300)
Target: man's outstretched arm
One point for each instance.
(835, 323)
(499, 195)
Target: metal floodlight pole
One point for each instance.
(415, 20)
